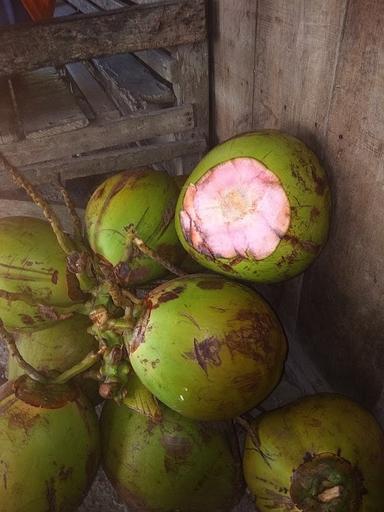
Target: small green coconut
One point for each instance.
(173, 465)
(49, 447)
(256, 208)
(322, 453)
(146, 201)
(207, 347)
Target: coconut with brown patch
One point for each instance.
(49, 447)
(322, 453)
(256, 208)
(207, 347)
(174, 464)
(144, 200)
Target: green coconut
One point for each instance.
(175, 464)
(49, 447)
(256, 207)
(143, 199)
(322, 453)
(33, 274)
(207, 347)
(56, 348)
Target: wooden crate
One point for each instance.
(107, 85)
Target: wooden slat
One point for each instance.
(8, 129)
(160, 61)
(102, 162)
(100, 136)
(233, 36)
(100, 103)
(341, 317)
(10, 208)
(130, 84)
(28, 46)
(45, 105)
(296, 54)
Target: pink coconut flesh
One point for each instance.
(237, 209)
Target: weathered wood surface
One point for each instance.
(93, 93)
(10, 208)
(297, 46)
(233, 34)
(100, 136)
(32, 46)
(341, 317)
(45, 104)
(8, 130)
(102, 162)
(131, 85)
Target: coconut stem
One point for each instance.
(76, 221)
(330, 494)
(85, 364)
(14, 352)
(143, 247)
(64, 241)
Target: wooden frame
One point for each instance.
(92, 116)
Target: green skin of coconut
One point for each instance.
(207, 347)
(56, 348)
(176, 464)
(33, 268)
(306, 187)
(49, 446)
(146, 200)
(323, 453)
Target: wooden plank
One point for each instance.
(29, 46)
(191, 85)
(46, 106)
(233, 36)
(160, 61)
(10, 208)
(8, 127)
(100, 136)
(100, 103)
(131, 85)
(341, 313)
(296, 54)
(102, 162)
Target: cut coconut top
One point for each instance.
(237, 209)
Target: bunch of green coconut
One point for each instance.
(176, 359)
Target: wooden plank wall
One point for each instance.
(316, 69)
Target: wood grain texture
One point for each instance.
(297, 46)
(30, 46)
(45, 104)
(93, 93)
(102, 162)
(341, 316)
(233, 31)
(100, 136)
(8, 128)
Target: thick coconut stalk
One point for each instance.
(171, 464)
(49, 445)
(256, 207)
(207, 347)
(323, 453)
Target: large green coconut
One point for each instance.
(174, 465)
(256, 208)
(207, 347)
(145, 200)
(33, 270)
(323, 453)
(49, 447)
(56, 348)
